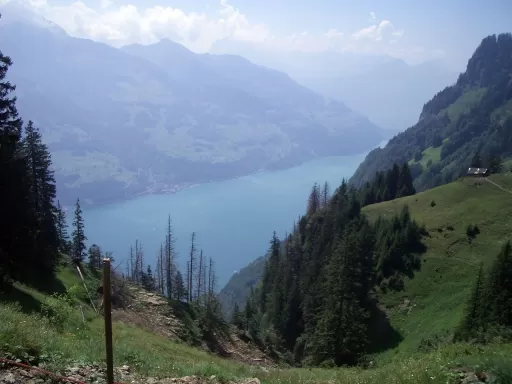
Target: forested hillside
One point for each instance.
(316, 300)
(466, 124)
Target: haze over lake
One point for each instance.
(233, 219)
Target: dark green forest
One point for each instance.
(29, 233)
(489, 310)
(472, 116)
(316, 301)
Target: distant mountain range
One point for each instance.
(387, 90)
(142, 119)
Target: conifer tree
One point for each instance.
(180, 292)
(270, 271)
(200, 273)
(78, 235)
(191, 268)
(95, 257)
(473, 318)
(169, 257)
(160, 278)
(314, 200)
(147, 280)
(326, 194)
(18, 225)
(62, 230)
(237, 318)
(499, 289)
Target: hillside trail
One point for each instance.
(497, 185)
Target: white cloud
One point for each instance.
(384, 31)
(124, 24)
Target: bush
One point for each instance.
(472, 231)
(432, 203)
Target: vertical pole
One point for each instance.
(107, 310)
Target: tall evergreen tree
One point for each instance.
(147, 279)
(326, 194)
(200, 274)
(62, 229)
(314, 199)
(180, 292)
(169, 257)
(78, 235)
(18, 224)
(95, 257)
(237, 318)
(473, 318)
(191, 267)
(499, 291)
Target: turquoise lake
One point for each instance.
(233, 219)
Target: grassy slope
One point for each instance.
(24, 330)
(439, 291)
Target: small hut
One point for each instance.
(477, 172)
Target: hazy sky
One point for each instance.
(412, 30)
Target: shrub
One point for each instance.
(432, 203)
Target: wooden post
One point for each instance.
(107, 311)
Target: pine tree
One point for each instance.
(473, 318)
(18, 223)
(62, 230)
(169, 257)
(405, 186)
(314, 200)
(180, 293)
(270, 271)
(95, 257)
(43, 193)
(200, 274)
(191, 268)
(78, 235)
(499, 289)
(237, 317)
(132, 264)
(326, 194)
(147, 280)
(160, 277)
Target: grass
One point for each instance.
(439, 291)
(37, 327)
(154, 356)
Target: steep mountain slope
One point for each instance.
(238, 288)
(474, 115)
(429, 308)
(432, 304)
(118, 124)
(387, 90)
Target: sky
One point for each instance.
(414, 31)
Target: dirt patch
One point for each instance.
(152, 313)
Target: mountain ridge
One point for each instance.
(137, 126)
(467, 118)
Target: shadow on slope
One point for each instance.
(382, 334)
